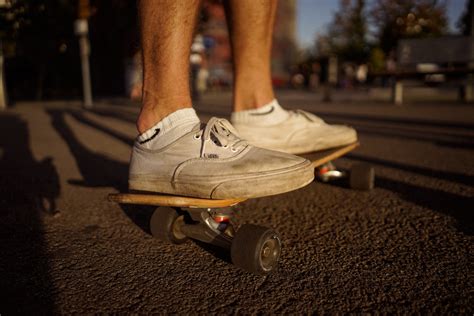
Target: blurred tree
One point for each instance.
(466, 20)
(347, 35)
(395, 19)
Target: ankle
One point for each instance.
(252, 95)
(154, 110)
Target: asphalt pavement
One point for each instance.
(404, 247)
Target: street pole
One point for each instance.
(3, 90)
(81, 29)
(471, 13)
(469, 89)
(331, 78)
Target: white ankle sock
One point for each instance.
(169, 129)
(269, 114)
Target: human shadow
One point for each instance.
(28, 191)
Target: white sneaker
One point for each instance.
(212, 161)
(294, 132)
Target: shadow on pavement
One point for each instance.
(437, 174)
(401, 121)
(98, 170)
(28, 189)
(79, 116)
(117, 114)
(454, 205)
(460, 142)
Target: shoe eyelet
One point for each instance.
(197, 136)
(234, 150)
(225, 146)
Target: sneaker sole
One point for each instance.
(255, 186)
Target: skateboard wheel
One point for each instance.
(165, 225)
(256, 249)
(362, 177)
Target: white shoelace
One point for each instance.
(223, 132)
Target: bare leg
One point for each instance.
(166, 35)
(251, 28)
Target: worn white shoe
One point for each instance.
(294, 132)
(212, 161)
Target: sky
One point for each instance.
(315, 15)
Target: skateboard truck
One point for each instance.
(209, 227)
(177, 218)
(253, 248)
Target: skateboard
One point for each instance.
(253, 248)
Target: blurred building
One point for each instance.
(214, 30)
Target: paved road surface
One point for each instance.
(406, 246)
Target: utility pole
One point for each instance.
(81, 29)
(331, 78)
(470, 7)
(469, 91)
(3, 90)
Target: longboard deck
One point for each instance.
(170, 200)
(317, 158)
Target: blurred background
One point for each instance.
(346, 44)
